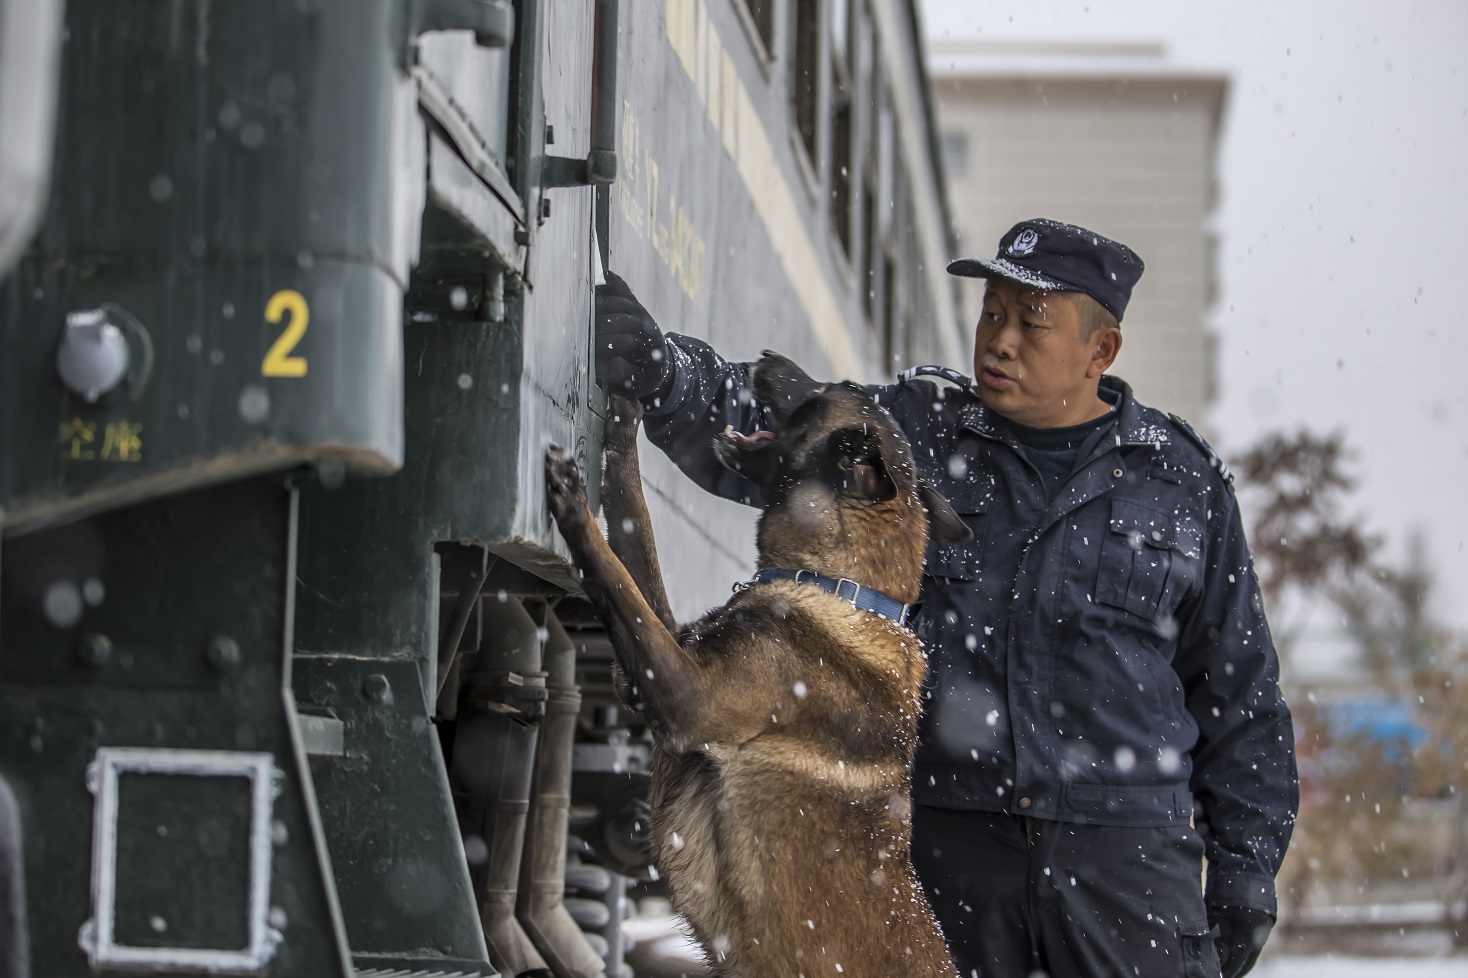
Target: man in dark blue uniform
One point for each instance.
(1104, 714)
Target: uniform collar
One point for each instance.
(1134, 426)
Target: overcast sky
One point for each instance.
(1343, 220)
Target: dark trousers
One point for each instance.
(1019, 896)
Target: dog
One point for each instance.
(784, 722)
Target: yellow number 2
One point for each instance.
(278, 360)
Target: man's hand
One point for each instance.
(1242, 932)
(631, 355)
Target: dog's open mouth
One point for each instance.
(735, 438)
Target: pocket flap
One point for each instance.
(1144, 526)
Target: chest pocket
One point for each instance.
(1149, 560)
(970, 499)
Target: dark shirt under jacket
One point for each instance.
(1053, 451)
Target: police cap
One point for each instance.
(1056, 257)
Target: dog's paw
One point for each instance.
(564, 489)
(624, 410)
(624, 417)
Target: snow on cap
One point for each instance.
(1055, 257)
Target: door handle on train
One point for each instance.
(600, 165)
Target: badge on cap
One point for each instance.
(1025, 243)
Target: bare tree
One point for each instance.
(1359, 817)
(1294, 488)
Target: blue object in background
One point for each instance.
(1384, 721)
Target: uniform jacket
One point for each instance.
(1101, 658)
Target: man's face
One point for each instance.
(1033, 360)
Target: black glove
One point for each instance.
(631, 355)
(1242, 932)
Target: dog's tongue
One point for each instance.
(756, 437)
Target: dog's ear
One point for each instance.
(782, 386)
(851, 462)
(944, 525)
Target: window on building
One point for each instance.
(875, 202)
(869, 233)
(842, 90)
(887, 328)
(841, 174)
(762, 13)
(867, 123)
(913, 317)
(805, 81)
(954, 147)
(896, 261)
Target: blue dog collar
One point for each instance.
(847, 590)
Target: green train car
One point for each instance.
(294, 680)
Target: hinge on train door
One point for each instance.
(599, 167)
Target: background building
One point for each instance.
(1109, 136)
